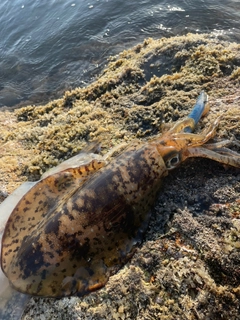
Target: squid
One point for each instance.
(67, 233)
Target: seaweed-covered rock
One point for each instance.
(188, 264)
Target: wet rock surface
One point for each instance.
(188, 264)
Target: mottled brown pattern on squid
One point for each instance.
(74, 228)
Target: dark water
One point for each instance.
(48, 46)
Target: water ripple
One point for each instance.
(48, 46)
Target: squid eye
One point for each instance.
(173, 161)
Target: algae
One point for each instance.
(188, 264)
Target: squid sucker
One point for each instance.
(71, 230)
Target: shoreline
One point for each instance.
(190, 254)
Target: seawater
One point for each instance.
(49, 46)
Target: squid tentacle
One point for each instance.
(227, 156)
